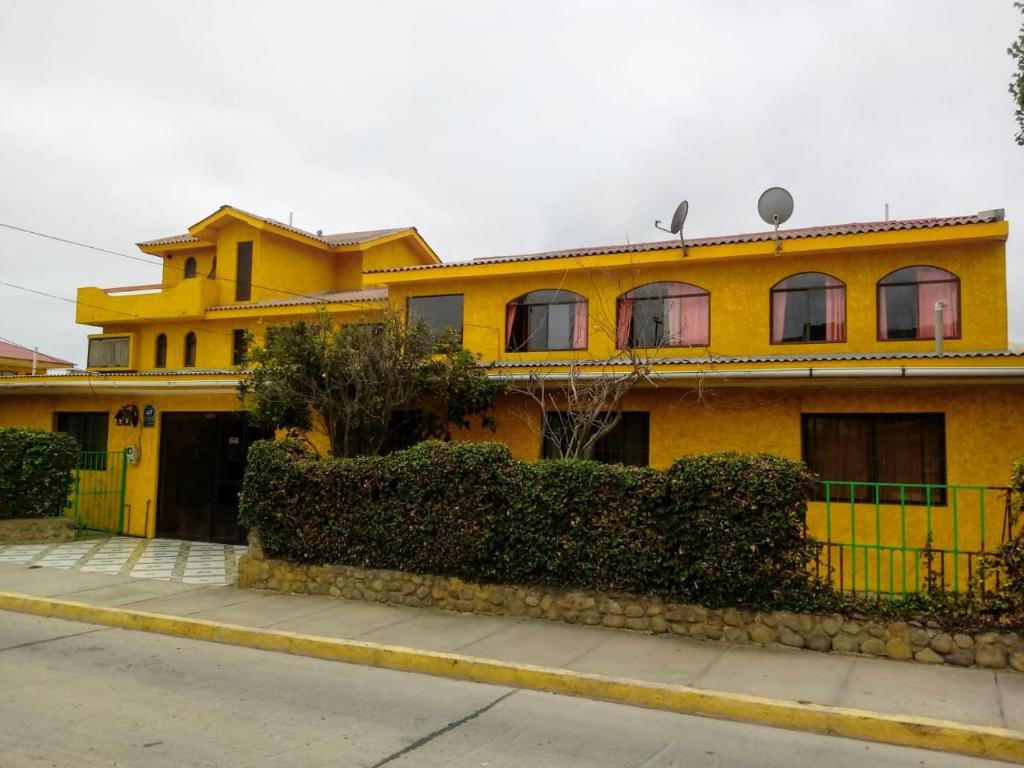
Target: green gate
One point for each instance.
(97, 491)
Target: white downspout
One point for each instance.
(940, 328)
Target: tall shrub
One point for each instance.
(721, 529)
(35, 472)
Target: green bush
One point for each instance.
(35, 472)
(724, 529)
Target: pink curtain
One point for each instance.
(625, 320)
(778, 315)
(688, 320)
(835, 311)
(927, 295)
(510, 324)
(579, 325)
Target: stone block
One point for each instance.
(638, 623)
(873, 646)
(788, 637)
(899, 648)
(844, 643)
(612, 607)
(830, 625)
(734, 634)
(928, 656)
(761, 634)
(819, 641)
(1017, 660)
(963, 641)
(634, 611)
(659, 624)
(614, 620)
(990, 656)
(732, 617)
(920, 637)
(962, 657)
(942, 643)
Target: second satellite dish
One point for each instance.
(679, 217)
(775, 206)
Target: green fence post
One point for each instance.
(124, 480)
(956, 542)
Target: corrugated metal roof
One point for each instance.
(326, 297)
(784, 358)
(352, 238)
(12, 351)
(854, 228)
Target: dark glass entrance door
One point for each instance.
(202, 461)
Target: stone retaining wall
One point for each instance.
(38, 529)
(897, 640)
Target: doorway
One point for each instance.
(202, 461)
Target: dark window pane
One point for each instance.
(627, 443)
(239, 347)
(90, 430)
(438, 312)
(190, 350)
(243, 275)
(906, 448)
(190, 267)
(900, 311)
(161, 351)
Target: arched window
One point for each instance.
(810, 306)
(664, 315)
(546, 319)
(190, 267)
(161, 351)
(190, 350)
(906, 303)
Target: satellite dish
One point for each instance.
(679, 217)
(775, 206)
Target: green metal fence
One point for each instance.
(97, 491)
(893, 539)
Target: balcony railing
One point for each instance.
(894, 539)
(106, 306)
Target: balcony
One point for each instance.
(146, 303)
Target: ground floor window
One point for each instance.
(627, 443)
(878, 448)
(90, 430)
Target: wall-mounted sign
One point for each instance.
(149, 416)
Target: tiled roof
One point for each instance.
(12, 351)
(334, 241)
(170, 240)
(854, 228)
(326, 297)
(784, 358)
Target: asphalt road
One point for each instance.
(79, 695)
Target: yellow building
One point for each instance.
(819, 344)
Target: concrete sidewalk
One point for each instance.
(973, 696)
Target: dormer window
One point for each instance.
(190, 267)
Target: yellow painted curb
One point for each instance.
(902, 730)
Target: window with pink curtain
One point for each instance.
(906, 304)
(547, 319)
(664, 314)
(808, 307)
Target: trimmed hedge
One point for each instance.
(722, 529)
(35, 472)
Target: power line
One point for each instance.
(163, 262)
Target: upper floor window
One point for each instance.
(190, 350)
(239, 346)
(161, 351)
(906, 303)
(190, 267)
(664, 315)
(547, 319)
(109, 352)
(439, 313)
(810, 306)
(243, 273)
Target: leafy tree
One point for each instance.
(1017, 81)
(369, 386)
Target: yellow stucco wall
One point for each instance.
(740, 298)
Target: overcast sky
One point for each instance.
(494, 128)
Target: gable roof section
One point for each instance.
(195, 233)
(853, 228)
(11, 351)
